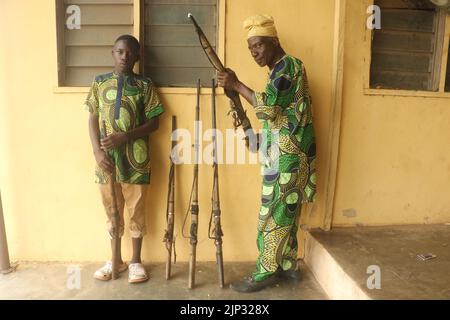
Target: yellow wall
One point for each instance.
(394, 162)
(52, 207)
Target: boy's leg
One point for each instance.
(107, 203)
(134, 196)
(105, 272)
(137, 245)
(135, 201)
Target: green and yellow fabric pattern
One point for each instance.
(289, 176)
(139, 103)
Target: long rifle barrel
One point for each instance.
(170, 214)
(216, 212)
(210, 53)
(194, 205)
(237, 110)
(114, 219)
(214, 123)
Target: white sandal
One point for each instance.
(137, 273)
(105, 272)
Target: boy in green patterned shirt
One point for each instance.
(129, 106)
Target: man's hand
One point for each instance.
(103, 161)
(231, 83)
(114, 140)
(228, 80)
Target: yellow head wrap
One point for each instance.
(260, 25)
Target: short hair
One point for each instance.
(131, 40)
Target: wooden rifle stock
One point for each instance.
(115, 218)
(194, 204)
(216, 213)
(237, 110)
(170, 213)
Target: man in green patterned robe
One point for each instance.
(129, 107)
(289, 177)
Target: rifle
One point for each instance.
(115, 243)
(237, 110)
(215, 212)
(170, 213)
(194, 196)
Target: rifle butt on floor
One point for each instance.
(115, 219)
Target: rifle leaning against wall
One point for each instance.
(215, 212)
(193, 201)
(169, 239)
(115, 217)
(237, 111)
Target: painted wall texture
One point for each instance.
(393, 165)
(394, 162)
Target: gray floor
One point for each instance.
(394, 250)
(59, 281)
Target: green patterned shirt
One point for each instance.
(285, 111)
(139, 104)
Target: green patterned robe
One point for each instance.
(139, 104)
(289, 177)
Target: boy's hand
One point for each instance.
(114, 140)
(103, 161)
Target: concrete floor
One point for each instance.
(49, 281)
(394, 250)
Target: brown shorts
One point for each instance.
(131, 195)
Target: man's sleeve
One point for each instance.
(263, 110)
(303, 101)
(278, 92)
(152, 105)
(91, 103)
